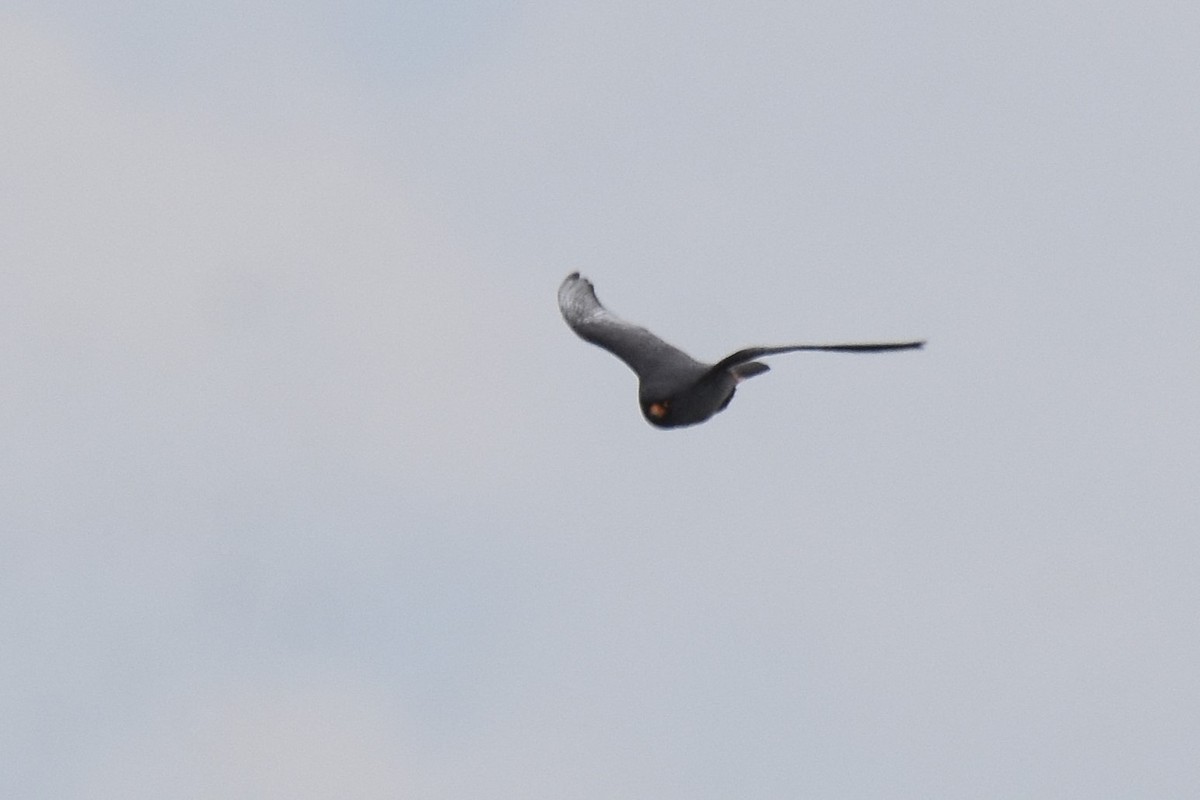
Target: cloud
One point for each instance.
(239, 282)
(308, 738)
(220, 339)
(300, 461)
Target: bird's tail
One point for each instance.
(748, 370)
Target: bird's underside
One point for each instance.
(674, 389)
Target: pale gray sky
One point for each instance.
(309, 492)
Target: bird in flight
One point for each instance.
(675, 389)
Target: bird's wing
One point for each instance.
(645, 353)
(751, 353)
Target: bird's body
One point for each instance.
(674, 389)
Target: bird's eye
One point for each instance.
(657, 410)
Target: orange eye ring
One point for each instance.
(658, 410)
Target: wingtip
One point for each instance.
(572, 291)
(573, 284)
(571, 280)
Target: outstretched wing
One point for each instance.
(645, 353)
(751, 353)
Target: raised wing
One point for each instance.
(645, 353)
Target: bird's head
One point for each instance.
(657, 412)
(677, 404)
(676, 411)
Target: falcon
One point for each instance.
(674, 389)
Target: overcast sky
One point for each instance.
(308, 491)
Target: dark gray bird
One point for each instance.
(675, 389)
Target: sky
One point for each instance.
(309, 492)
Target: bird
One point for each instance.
(674, 389)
